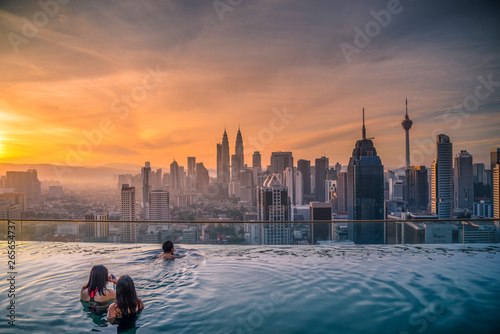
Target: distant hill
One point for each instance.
(107, 176)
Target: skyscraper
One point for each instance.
(280, 161)
(202, 177)
(174, 176)
(129, 233)
(338, 168)
(321, 231)
(342, 192)
(417, 188)
(159, 205)
(365, 191)
(238, 159)
(407, 123)
(494, 160)
(293, 181)
(304, 166)
(478, 172)
(321, 167)
(247, 191)
(97, 229)
(146, 189)
(463, 181)
(442, 178)
(191, 163)
(274, 206)
(496, 191)
(494, 157)
(256, 160)
(225, 166)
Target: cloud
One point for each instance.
(263, 55)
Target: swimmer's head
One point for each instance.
(98, 279)
(168, 246)
(126, 296)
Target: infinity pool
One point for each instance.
(265, 289)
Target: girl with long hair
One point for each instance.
(127, 305)
(95, 291)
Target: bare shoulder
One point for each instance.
(111, 294)
(141, 304)
(84, 294)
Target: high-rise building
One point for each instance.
(406, 124)
(304, 166)
(12, 206)
(159, 205)
(483, 209)
(225, 166)
(338, 168)
(494, 160)
(496, 191)
(146, 189)
(342, 192)
(247, 191)
(280, 161)
(191, 164)
(365, 192)
(321, 167)
(238, 159)
(331, 191)
(7, 211)
(321, 231)
(274, 206)
(478, 173)
(442, 178)
(25, 182)
(396, 191)
(219, 163)
(417, 188)
(97, 229)
(463, 181)
(293, 181)
(202, 177)
(174, 176)
(256, 160)
(494, 157)
(129, 233)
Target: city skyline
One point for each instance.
(285, 81)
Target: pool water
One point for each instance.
(264, 289)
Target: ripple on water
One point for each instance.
(268, 288)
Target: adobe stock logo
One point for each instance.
(372, 29)
(30, 29)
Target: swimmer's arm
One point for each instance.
(112, 313)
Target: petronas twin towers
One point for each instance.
(229, 170)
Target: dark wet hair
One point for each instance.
(126, 297)
(98, 279)
(167, 246)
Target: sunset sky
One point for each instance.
(220, 67)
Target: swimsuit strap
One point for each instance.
(92, 294)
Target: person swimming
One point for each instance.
(127, 305)
(168, 251)
(95, 291)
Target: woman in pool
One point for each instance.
(95, 291)
(127, 304)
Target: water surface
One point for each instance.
(266, 289)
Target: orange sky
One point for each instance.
(74, 76)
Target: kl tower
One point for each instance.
(407, 123)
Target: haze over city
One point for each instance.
(239, 166)
(191, 69)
